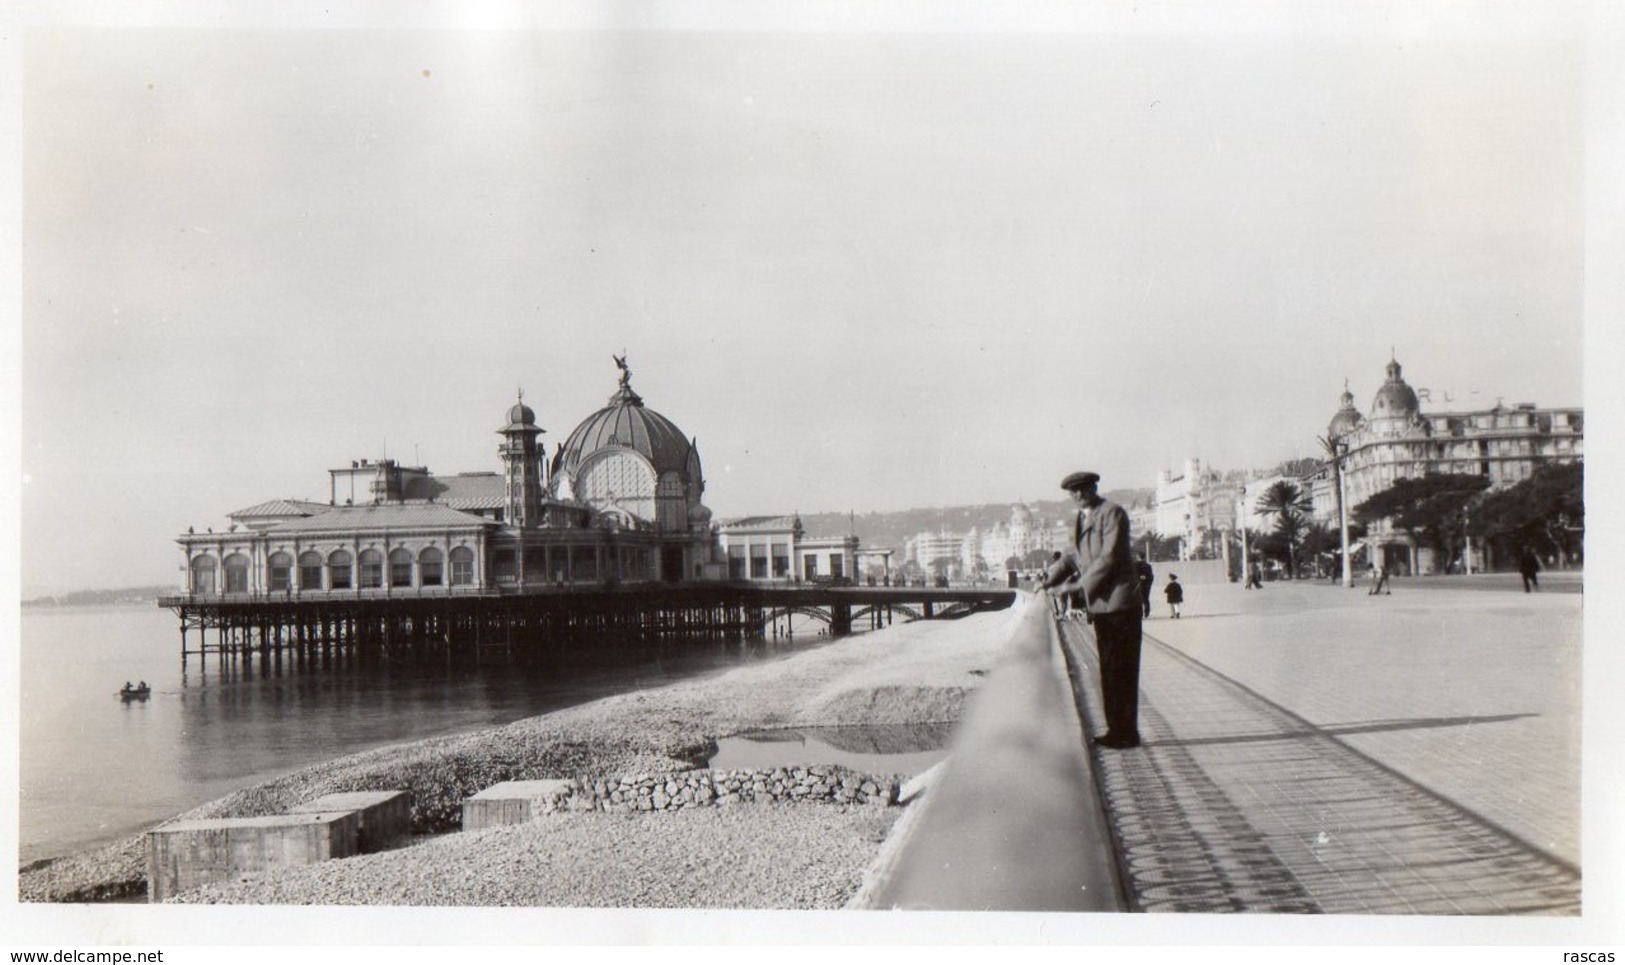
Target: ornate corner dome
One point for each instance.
(520, 416)
(630, 460)
(1395, 399)
(1347, 418)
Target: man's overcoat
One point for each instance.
(1101, 563)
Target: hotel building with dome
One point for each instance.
(1397, 439)
(1400, 436)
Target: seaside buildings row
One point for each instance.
(1203, 510)
(987, 552)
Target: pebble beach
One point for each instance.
(751, 855)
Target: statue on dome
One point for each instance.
(626, 371)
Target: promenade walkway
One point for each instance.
(1310, 748)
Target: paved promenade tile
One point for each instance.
(1314, 749)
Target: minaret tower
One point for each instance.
(522, 466)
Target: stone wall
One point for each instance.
(817, 783)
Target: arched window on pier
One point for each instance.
(203, 570)
(400, 567)
(462, 566)
(372, 569)
(310, 570)
(281, 575)
(236, 573)
(339, 570)
(431, 567)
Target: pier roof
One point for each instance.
(390, 516)
(281, 507)
(770, 523)
(471, 490)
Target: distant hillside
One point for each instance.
(135, 594)
(891, 530)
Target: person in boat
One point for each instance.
(142, 685)
(128, 686)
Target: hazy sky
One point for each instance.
(869, 267)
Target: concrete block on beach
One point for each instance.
(183, 855)
(514, 802)
(386, 816)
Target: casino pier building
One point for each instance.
(401, 554)
(618, 502)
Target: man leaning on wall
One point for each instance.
(1101, 567)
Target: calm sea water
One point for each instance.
(95, 768)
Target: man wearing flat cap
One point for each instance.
(1102, 568)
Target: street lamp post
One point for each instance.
(1241, 524)
(1467, 538)
(1342, 451)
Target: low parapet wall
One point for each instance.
(1014, 812)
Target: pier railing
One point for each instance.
(324, 596)
(771, 593)
(496, 591)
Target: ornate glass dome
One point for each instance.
(631, 462)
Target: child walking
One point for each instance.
(1175, 594)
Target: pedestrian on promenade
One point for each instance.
(1255, 577)
(1175, 593)
(1102, 568)
(1148, 578)
(1528, 566)
(1379, 579)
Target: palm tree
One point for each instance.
(1334, 457)
(1290, 506)
(1319, 540)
